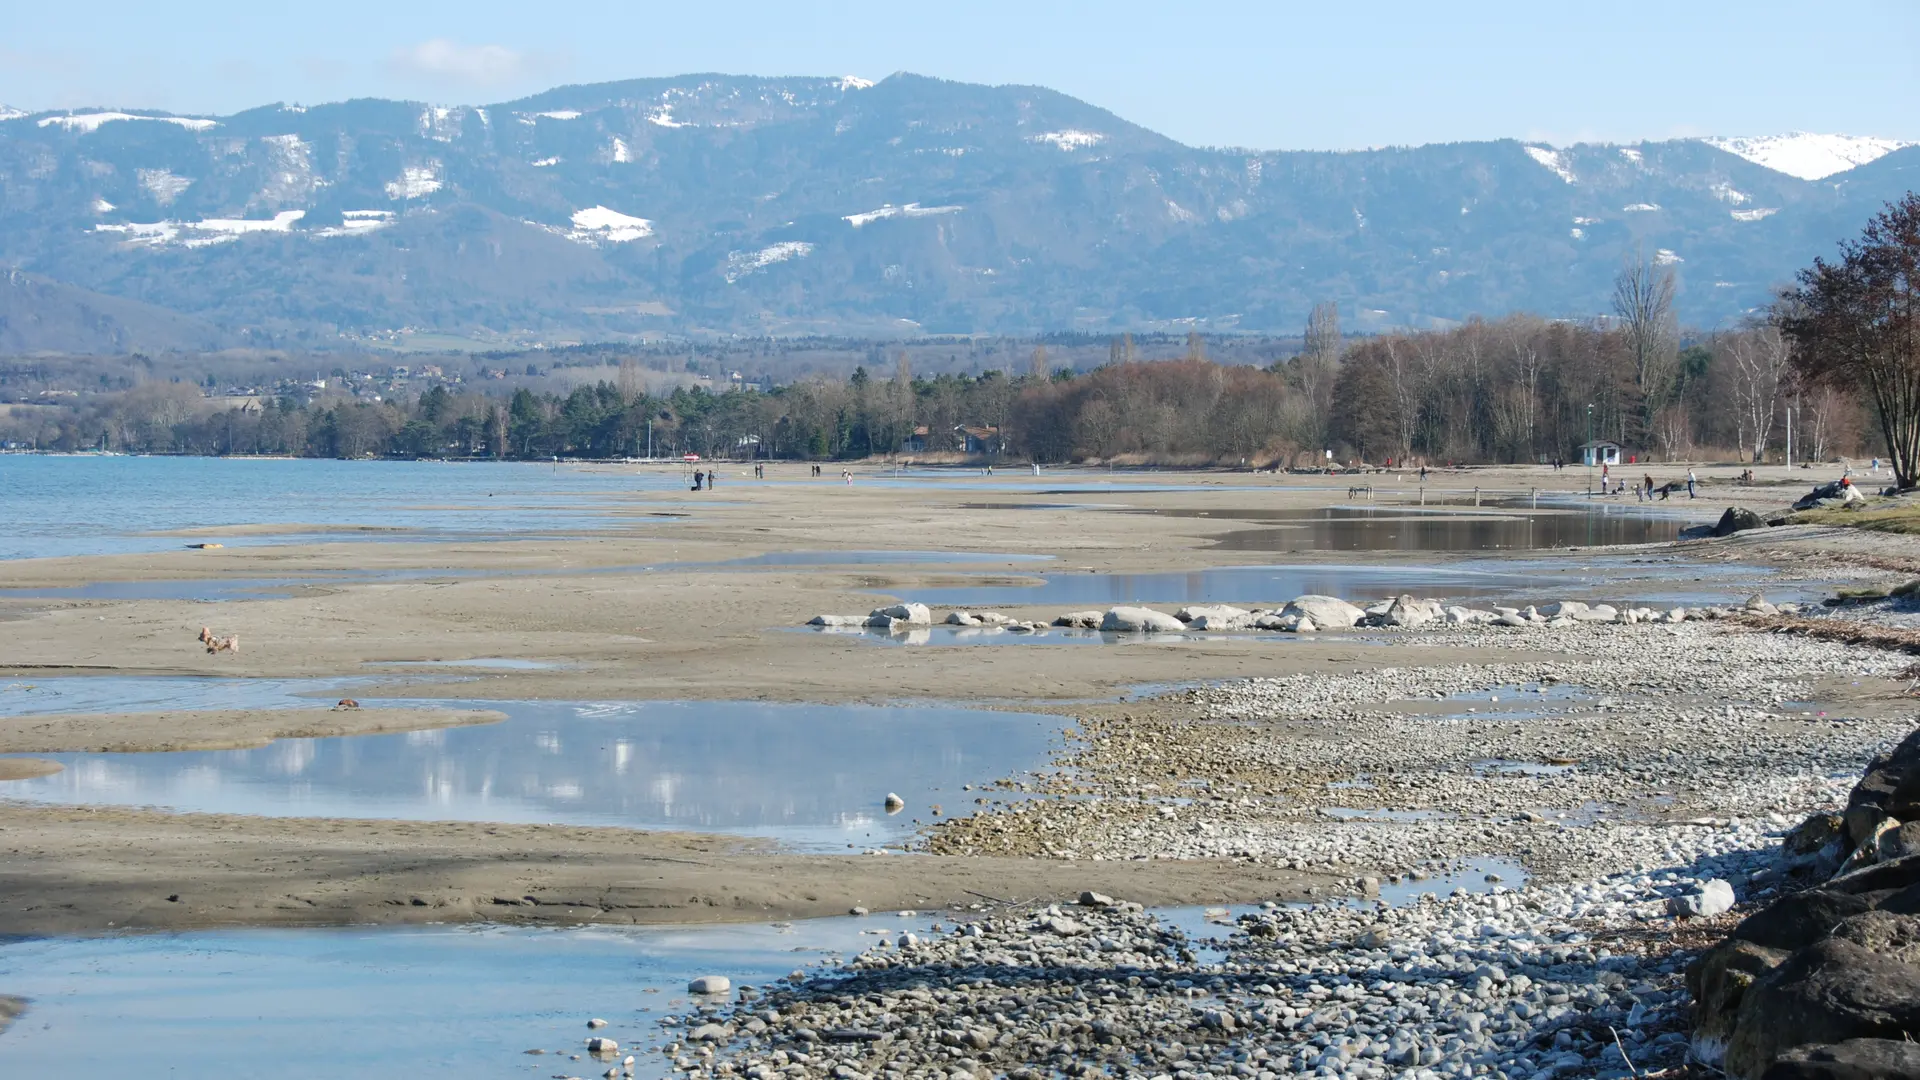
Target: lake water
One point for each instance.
(384, 1002)
(51, 505)
(1384, 528)
(813, 777)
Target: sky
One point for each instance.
(1276, 75)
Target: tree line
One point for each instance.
(1835, 357)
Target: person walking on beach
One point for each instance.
(699, 479)
(1691, 481)
(1647, 480)
(713, 477)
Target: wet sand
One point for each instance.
(211, 729)
(80, 870)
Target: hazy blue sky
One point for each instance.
(1275, 75)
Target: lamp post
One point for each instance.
(1587, 451)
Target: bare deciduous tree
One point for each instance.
(1643, 302)
(1759, 358)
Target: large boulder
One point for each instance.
(1084, 620)
(1885, 933)
(1828, 992)
(1719, 981)
(1714, 898)
(1799, 919)
(1406, 611)
(1890, 789)
(1854, 1059)
(1572, 609)
(912, 614)
(1738, 519)
(1828, 496)
(1140, 620)
(1324, 611)
(1211, 611)
(1215, 617)
(1816, 846)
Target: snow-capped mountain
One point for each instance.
(1807, 155)
(758, 205)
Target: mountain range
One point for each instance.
(743, 205)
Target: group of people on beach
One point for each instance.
(704, 479)
(1643, 491)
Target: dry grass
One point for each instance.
(1851, 633)
(1904, 519)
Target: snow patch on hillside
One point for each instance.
(1633, 155)
(911, 210)
(88, 122)
(560, 114)
(742, 263)
(1640, 208)
(546, 163)
(8, 112)
(1070, 139)
(102, 206)
(415, 182)
(440, 122)
(358, 223)
(854, 82)
(162, 184)
(621, 155)
(663, 117)
(204, 233)
(597, 224)
(1726, 194)
(1807, 155)
(1759, 214)
(1551, 160)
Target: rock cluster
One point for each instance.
(1825, 982)
(893, 616)
(1830, 496)
(1307, 614)
(1546, 981)
(1302, 614)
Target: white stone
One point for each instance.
(710, 984)
(1714, 898)
(1329, 611)
(1140, 620)
(915, 614)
